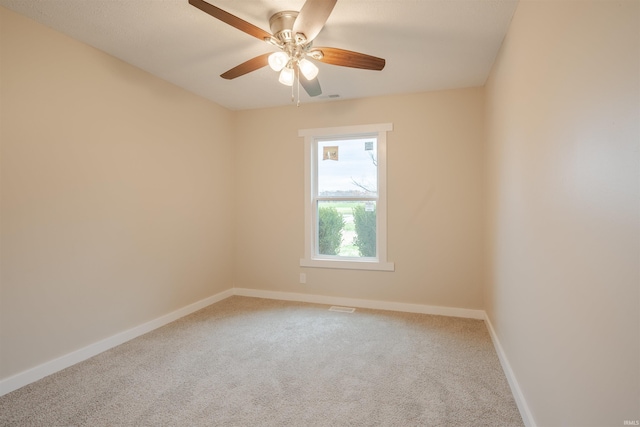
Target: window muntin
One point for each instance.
(345, 171)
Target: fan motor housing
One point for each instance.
(281, 25)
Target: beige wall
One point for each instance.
(116, 196)
(563, 112)
(434, 197)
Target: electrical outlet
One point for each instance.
(303, 278)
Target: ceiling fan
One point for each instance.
(293, 33)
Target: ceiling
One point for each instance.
(428, 44)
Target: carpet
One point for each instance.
(257, 362)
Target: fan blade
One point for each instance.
(230, 19)
(312, 87)
(347, 58)
(312, 17)
(247, 67)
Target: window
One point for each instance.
(345, 197)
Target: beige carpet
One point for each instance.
(255, 362)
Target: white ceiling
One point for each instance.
(428, 44)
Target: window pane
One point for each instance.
(347, 228)
(348, 168)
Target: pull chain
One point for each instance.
(293, 96)
(298, 78)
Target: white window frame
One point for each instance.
(311, 137)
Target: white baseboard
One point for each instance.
(523, 407)
(362, 303)
(34, 374)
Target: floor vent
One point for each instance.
(342, 309)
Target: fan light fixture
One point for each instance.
(287, 76)
(308, 69)
(281, 61)
(278, 60)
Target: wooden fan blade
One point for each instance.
(312, 17)
(312, 87)
(247, 67)
(347, 58)
(230, 19)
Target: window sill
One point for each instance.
(348, 265)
